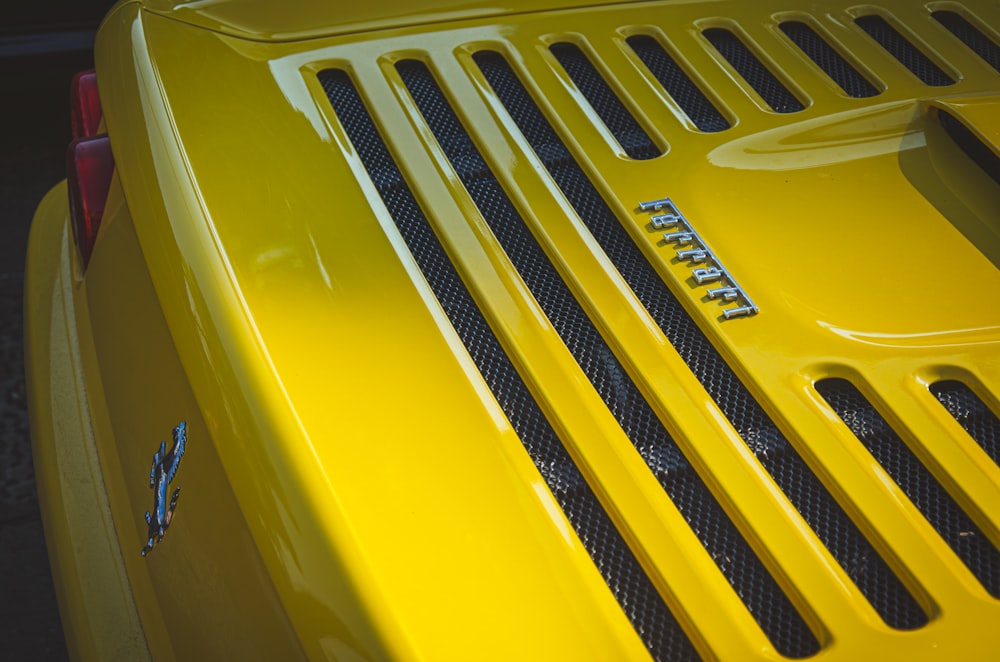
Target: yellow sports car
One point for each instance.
(548, 330)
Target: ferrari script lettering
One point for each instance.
(666, 216)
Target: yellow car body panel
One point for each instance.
(266, 21)
(98, 613)
(353, 489)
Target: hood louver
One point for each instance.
(632, 588)
(972, 414)
(482, 187)
(927, 494)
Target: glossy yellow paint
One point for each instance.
(95, 600)
(299, 474)
(209, 558)
(352, 461)
(307, 19)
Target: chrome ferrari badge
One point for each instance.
(666, 216)
(165, 464)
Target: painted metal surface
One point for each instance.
(384, 506)
(266, 21)
(96, 604)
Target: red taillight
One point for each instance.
(89, 166)
(85, 105)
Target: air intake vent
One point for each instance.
(829, 60)
(760, 78)
(908, 55)
(947, 518)
(678, 85)
(970, 36)
(972, 414)
(873, 577)
(623, 398)
(612, 556)
(636, 143)
(969, 143)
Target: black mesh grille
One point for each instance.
(678, 85)
(800, 485)
(609, 378)
(901, 49)
(760, 78)
(947, 518)
(829, 60)
(623, 573)
(974, 148)
(636, 143)
(970, 36)
(972, 414)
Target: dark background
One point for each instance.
(41, 46)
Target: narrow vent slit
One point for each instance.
(829, 60)
(969, 35)
(968, 142)
(678, 85)
(972, 414)
(900, 48)
(931, 499)
(609, 551)
(753, 71)
(626, 130)
(855, 554)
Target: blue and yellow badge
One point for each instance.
(161, 474)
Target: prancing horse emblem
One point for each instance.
(160, 475)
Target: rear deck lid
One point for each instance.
(691, 301)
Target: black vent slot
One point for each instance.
(606, 373)
(932, 500)
(972, 414)
(982, 45)
(873, 577)
(678, 85)
(829, 60)
(759, 77)
(623, 126)
(908, 55)
(612, 556)
(968, 142)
